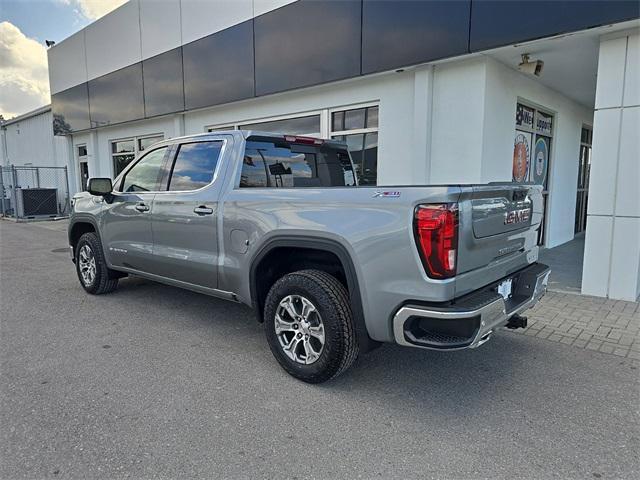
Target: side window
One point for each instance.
(267, 164)
(254, 173)
(288, 164)
(195, 165)
(145, 174)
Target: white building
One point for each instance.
(28, 140)
(423, 92)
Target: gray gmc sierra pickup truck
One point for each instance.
(279, 223)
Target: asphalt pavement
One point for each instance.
(156, 382)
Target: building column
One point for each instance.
(178, 125)
(422, 118)
(93, 158)
(612, 247)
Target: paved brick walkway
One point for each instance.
(609, 326)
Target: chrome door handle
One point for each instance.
(141, 207)
(202, 210)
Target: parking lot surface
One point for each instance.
(156, 382)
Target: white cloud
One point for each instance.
(24, 81)
(93, 9)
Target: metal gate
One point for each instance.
(31, 193)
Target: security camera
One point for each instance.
(49, 43)
(531, 67)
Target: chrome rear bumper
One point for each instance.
(493, 312)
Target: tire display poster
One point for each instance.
(521, 151)
(540, 161)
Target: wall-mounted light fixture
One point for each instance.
(531, 67)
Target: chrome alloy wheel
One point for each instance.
(87, 264)
(299, 329)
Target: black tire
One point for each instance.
(331, 300)
(105, 280)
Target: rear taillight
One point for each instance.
(436, 231)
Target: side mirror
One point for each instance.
(99, 186)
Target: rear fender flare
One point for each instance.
(365, 342)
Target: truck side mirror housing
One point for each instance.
(99, 186)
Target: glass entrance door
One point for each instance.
(584, 168)
(83, 166)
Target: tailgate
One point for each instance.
(497, 232)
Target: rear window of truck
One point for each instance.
(295, 162)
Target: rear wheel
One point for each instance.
(309, 325)
(93, 273)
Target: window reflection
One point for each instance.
(116, 97)
(195, 165)
(163, 83)
(285, 164)
(70, 110)
(145, 175)
(364, 153)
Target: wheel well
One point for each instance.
(282, 260)
(77, 231)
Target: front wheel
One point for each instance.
(309, 325)
(91, 266)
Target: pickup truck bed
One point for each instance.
(426, 266)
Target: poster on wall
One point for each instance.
(544, 123)
(540, 161)
(524, 116)
(521, 151)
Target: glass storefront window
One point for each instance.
(358, 126)
(124, 151)
(359, 129)
(309, 125)
(143, 143)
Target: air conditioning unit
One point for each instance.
(36, 202)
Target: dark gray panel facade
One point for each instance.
(407, 32)
(496, 23)
(219, 68)
(116, 97)
(307, 43)
(70, 110)
(163, 83)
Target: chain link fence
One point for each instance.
(31, 193)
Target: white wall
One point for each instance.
(612, 247)
(30, 141)
(473, 126)
(457, 122)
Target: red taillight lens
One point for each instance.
(436, 231)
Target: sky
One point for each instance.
(24, 26)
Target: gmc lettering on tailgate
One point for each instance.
(516, 216)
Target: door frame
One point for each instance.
(582, 193)
(79, 160)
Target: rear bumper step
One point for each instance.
(469, 321)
